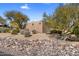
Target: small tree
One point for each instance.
(17, 17)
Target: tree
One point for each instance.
(65, 18)
(45, 16)
(2, 20)
(68, 16)
(17, 17)
(14, 24)
(47, 19)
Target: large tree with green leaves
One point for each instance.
(17, 17)
(65, 17)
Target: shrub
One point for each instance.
(22, 32)
(7, 30)
(55, 31)
(27, 33)
(34, 31)
(2, 30)
(76, 30)
(15, 31)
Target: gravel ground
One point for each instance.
(48, 46)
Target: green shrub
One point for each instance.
(2, 30)
(15, 31)
(55, 31)
(7, 30)
(76, 30)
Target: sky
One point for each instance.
(33, 10)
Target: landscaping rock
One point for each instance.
(53, 47)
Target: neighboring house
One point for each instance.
(1, 24)
(39, 26)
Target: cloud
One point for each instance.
(47, 3)
(25, 6)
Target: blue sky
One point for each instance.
(33, 10)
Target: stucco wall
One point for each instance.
(38, 26)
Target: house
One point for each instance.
(1, 24)
(39, 26)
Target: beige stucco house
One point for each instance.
(39, 26)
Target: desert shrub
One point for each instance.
(27, 33)
(55, 31)
(7, 30)
(22, 32)
(52, 31)
(34, 31)
(15, 31)
(76, 30)
(2, 30)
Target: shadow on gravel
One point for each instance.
(4, 54)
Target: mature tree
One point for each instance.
(17, 17)
(66, 17)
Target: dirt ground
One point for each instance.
(38, 36)
(19, 36)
